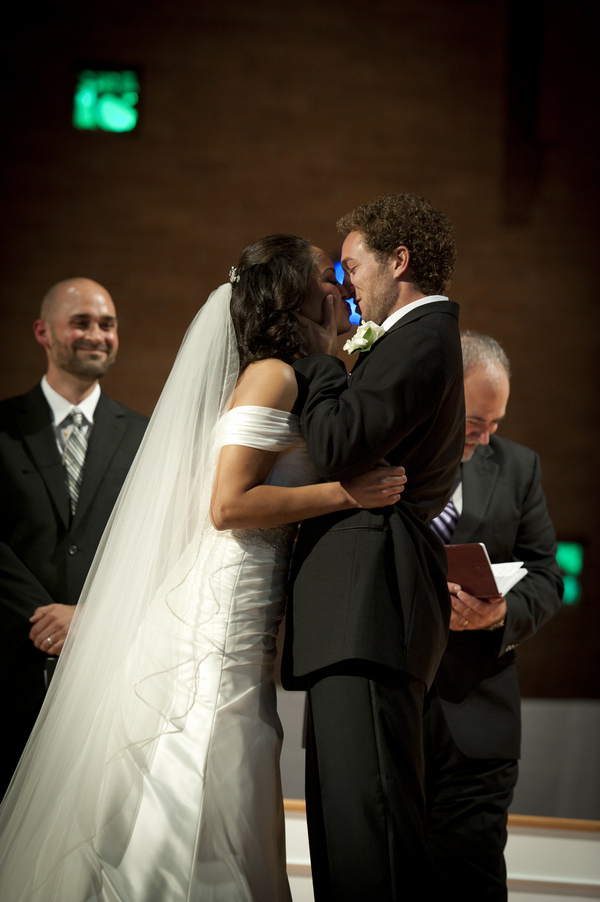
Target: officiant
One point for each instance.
(473, 717)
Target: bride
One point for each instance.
(153, 770)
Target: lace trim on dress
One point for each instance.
(275, 538)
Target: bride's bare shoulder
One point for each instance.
(267, 383)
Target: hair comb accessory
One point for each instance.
(234, 275)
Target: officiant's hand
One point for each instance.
(469, 613)
(51, 625)
(322, 338)
(378, 487)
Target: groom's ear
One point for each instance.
(400, 262)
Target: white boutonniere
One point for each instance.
(366, 335)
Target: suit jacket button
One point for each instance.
(73, 549)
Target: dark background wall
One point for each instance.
(277, 116)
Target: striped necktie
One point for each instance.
(445, 524)
(74, 457)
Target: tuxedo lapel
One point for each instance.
(361, 358)
(478, 480)
(35, 424)
(435, 307)
(362, 355)
(109, 428)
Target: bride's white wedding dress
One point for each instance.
(193, 812)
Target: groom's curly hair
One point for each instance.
(276, 275)
(409, 220)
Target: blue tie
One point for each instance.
(445, 524)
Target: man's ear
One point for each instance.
(41, 330)
(401, 262)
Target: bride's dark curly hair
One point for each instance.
(276, 276)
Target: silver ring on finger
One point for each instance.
(49, 640)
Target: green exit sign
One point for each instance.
(569, 556)
(106, 100)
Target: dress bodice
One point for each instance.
(270, 430)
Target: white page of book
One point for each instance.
(508, 574)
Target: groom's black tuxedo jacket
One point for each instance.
(503, 507)
(45, 554)
(371, 584)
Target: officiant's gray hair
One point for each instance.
(482, 350)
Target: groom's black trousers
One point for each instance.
(365, 785)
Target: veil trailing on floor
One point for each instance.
(116, 690)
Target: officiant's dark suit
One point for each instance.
(473, 723)
(45, 554)
(368, 592)
(503, 507)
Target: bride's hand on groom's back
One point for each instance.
(378, 487)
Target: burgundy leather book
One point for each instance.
(469, 566)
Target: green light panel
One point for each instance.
(569, 556)
(106, 100)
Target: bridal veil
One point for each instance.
(113, 694)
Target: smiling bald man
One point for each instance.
(65, 450)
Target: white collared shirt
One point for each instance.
(398, 314)
(61, 409)
(457, 498)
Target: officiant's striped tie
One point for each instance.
(74, 458)
(445, 524)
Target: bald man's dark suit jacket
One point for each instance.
(45, 554)
(503, 507)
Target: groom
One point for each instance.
(368, 613)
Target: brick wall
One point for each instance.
(277, 116)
